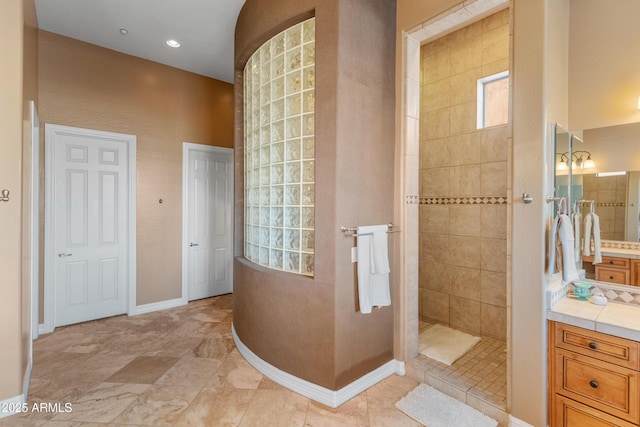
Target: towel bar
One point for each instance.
(353, 231)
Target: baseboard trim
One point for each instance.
(157, 306)
(332, 398)
(12, 406)
(515, 422)
(27, 379)
(44, 328)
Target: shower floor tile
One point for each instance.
(481, 373)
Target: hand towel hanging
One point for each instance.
(592, 231)
(373, 267)
(597, 251)
(562, 256)
(577, 233)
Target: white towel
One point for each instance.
(373, 267)
(592, 231)
(586, 244)
(597, 252)
(562, 256)
(577, 233)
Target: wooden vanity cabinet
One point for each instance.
(635, 272)
(594, 378)
(614, 270)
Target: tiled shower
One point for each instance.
(463, 217)
(463, 183)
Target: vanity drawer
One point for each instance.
(600, 346)
(569, 413)
(612, 275)
(601, 385)
(615, 262)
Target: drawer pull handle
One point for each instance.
(593, 346)
(611, 262)
(611, 277)
(593, 384)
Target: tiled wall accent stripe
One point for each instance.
(611, 205)
(472, 200)
(613, 244)
(411, 199)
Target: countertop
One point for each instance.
(620, 253)
(621, 320)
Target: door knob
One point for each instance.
(62, 255)
(194, 244)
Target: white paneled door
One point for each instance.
(91, 236)
(208, 216)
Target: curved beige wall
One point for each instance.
(310, 327)
(88, 86)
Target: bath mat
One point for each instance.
(432, 408)
(444, 344)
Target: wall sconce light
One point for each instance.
(578, 161)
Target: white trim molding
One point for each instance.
(157, 306)
(332, 398)
(15, 405)
(12, 405)
(515, 422)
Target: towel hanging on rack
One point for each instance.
(562, 256)
(576, 220)
(592, 231)
(373, 267)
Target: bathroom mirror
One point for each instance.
(562, 175)
(604, 123)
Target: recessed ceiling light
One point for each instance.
(124, 31)
(173, 43)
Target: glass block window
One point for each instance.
(279, 171)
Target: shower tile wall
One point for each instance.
(610, 192)
(463, 183)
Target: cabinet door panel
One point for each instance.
(602, 385)
(608, 348)
(570, 413)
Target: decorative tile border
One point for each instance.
(618, 293)
(611, 205)
(480, 200)
(614, 244)
(411, 199)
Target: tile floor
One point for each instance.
(479, 378)
(178, 367)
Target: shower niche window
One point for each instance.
(279, 170)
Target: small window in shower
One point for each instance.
(279, 170)
(493, 100)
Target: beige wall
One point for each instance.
(18, 85)
(604, 60)
(463, 258)
(30, 93)
(310, 327)
(613, 148)
(11, 212)
(88, 86)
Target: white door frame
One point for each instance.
(186, 148)
(34, 256)
(49, 252)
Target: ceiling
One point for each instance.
(204, 28)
